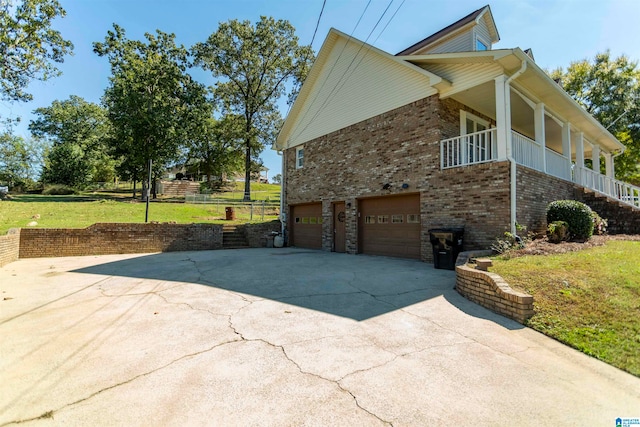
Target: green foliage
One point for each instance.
(58, 190)
(599, 224)
(609, 89)
(81, 124)
(558, 231)
(153, 104)
(28, 45)
(586, 299)
(503, 245)
(277, 179)
(576, 214)
(256, 64)
(66, 164)
(19, 160)
(217, 151)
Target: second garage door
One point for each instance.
(390, 226)
(306, 230)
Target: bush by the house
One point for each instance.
(558, 231)
(576, 214)
(58, 190)
(599, 224)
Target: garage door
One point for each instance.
(306, 230)
(390, 226)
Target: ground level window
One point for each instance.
(320, 220)
(297, 220)
(413, 219)
(397, 219)
(305, 220)
(370, 219)
(383, 219)
(312, 220)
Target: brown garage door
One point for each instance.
(306, 222)
(390, 226)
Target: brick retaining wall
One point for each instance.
(257, 233)
(9, 247)
(491, 291)
(118, 238)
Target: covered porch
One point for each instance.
(548, 132)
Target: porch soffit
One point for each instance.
(478, 92)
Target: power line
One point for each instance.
(318, 23)
(340, 83)
(334, 64)
(299, 84)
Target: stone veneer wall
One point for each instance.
(491, 291)
(118, 238)
(9, 247)
(401, 146)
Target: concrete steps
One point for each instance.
(234, 237)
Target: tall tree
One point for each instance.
(20, 159)
(28, 45)
(217, 151)
(83, 129)
(257, 65)
(609, 89)
(151, 100)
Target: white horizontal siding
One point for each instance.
(354, 90)
(464, 76)
(460, 43)
(483, 32)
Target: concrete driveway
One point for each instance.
(281, 337)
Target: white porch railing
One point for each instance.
(624, 192)
(558, 165)
(473, 148)
(481, 147)
(526, 151)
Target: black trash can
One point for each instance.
(447, 244)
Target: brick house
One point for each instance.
(380, 148)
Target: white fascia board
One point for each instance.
(600, 130)
(321, 61)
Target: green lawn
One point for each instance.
(83, 210)
(588, 299)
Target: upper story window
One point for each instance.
(299, 157)
(481, 45)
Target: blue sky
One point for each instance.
(558, 31)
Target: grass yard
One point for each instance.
(588, 299)
(83, 210)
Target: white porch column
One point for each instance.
(595, 158)
(580, 158)
(566, 146)
(538, 118)
(608, 164)
(503, 117)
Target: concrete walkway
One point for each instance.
(280, 337)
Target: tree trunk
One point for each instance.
(247, 172)
(134, 187)
(154, 187)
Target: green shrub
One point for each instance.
(558, 231)
(599, 224)
(576, 214)
(58, 190)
